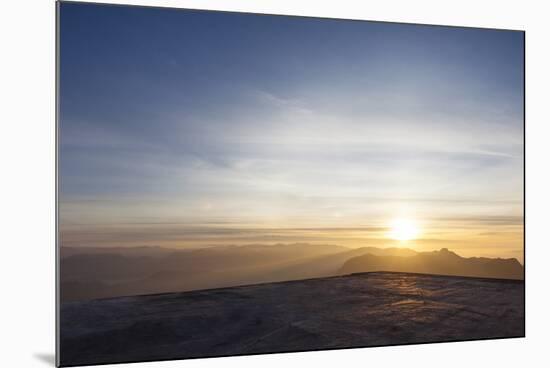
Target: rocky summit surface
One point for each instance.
(357, 310)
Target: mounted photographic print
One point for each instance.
(234, 184)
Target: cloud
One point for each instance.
(340, 136)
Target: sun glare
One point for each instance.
(403, 229)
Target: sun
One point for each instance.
(403, 229)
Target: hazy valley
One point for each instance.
(92, 273)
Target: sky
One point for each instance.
(192, 128)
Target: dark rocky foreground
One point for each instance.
(357, 310)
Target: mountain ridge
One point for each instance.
(149, 270)
(442, 262)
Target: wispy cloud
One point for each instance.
(291, 135)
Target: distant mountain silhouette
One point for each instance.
(327, 265)
(91, 273)
(443, 262)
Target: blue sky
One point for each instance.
(205, 119)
